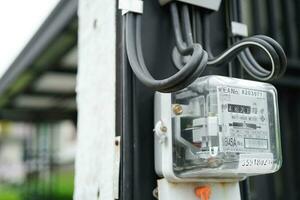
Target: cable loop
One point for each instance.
(191, 59)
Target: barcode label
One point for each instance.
(251, 143)
(262, 161)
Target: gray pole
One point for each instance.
(96, 99)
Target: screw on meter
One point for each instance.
(226, 129)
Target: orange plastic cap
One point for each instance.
(203, 192)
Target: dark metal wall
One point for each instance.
(279, 19)
(135, 101)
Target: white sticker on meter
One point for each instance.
(257, 161)
(243, 116)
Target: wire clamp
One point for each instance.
(135, 6)
(239, 29)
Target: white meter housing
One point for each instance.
(217, 129)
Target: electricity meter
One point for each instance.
(217, 129)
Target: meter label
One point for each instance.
(259, 161)
(243, 118)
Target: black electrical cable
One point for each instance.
(267, 44)
(194, 25)
(179, 59)
(246, 58)
(182, 78)
(180, 44)
(206, 35)
(178, 56)
(196, 57)
(198, 22)
(185, 16)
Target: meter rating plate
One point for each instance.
(243, 120)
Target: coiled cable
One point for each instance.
(195, 57)
(270, 47)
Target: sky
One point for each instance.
(19, 20)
